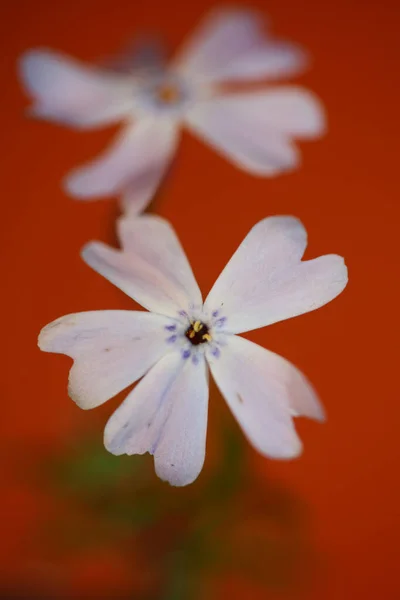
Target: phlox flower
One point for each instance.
(253, 129)
(174, 345)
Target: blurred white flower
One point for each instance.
(253, 129)
(166, 413)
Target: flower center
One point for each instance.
(168, 93)
(197, 333)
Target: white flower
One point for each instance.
(170, 347)
(253, 129)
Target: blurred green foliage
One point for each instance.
(229, 522)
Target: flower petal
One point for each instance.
(134, 165)
(265, 281)
(289, 110)
(166, 415)
(152, 269)
(242, 137)
(269, 60)
(111, 350)
(264, 391)
(70, 92)
(231, 45)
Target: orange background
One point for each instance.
(347, 195)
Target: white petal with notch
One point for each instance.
(265, 281)
(166, 415)
(133, 166)
(111, 349)
(264, 391)
(152, 268)
(70, 92)
(242, 137)
(232, 45)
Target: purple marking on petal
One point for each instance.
(215, 352)
(215, 313)
(170, 327)
(160, 402)
(195, 359)
(220, 322)
(186, 354)
(171, 339)
(182, 313)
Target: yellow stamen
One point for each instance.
(197, 326)
(168, 93)
(192, 334)
(207, 337)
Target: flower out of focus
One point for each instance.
(171, 346)
(253, 129)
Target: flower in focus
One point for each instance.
(253, 129)
(170, 347)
